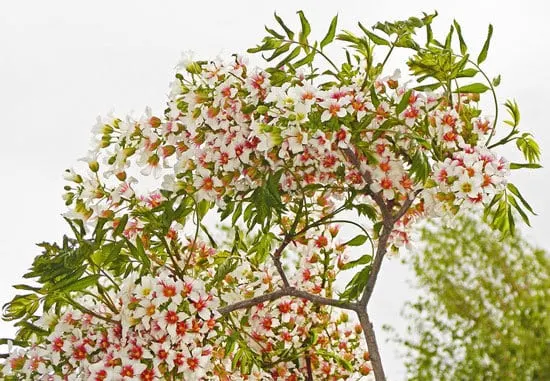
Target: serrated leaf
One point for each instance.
(287, 30)
(329, 37)
(512, 201)
(274, 33)
(463, 47)
(80, 284)
(477, 88)
(367, 210)
(377, 40)
(306, 28)
(529, 147)
(307, 59)
(515, 191)
(449, 38)
(357, 284)
(483, 54)
(293, 54)
(277, 52)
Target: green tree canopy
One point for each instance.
(485, 309)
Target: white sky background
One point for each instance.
(62, 63)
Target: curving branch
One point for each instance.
(287, 291)
(277, 260)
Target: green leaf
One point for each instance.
(80, 284)
(287, 30)
(515, 191)
(121, 225)
(483, 54)
(277, 52)
(293, 54)
(237, 213)
(306, 28)
(377, 40)
(357, 284)
(274, 33)
(20, 306)
(449, 38)
(374, 97)
(329, 37)
(430, 87)
(477, 88)
(340, 360)
(513, 111)
(307, 59)
(404, 102)
(466, 73)
(463, 47)
(229, 207)
(363, 260)
(357, 240)
(529, 147)
(269, 43)
(525, 165)
(210, 238)
(366, 210)
(512, 201)
(420, 166)
(228, 265)
(496, 81)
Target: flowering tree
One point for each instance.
(287, 153)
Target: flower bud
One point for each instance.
(154, 121)
(70, 175)
(344, 317)
(168, 150)
(107, 130)
(129, 151)
(392, 84)
(121, 176)
(262, 109)
(93, 165)
(364, 369)
(193, 68)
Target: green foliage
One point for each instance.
(484, 313)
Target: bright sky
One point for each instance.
(62, 63)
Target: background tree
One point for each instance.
(144, 288)
(484, 312)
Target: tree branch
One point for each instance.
(377, 197)
(406, 205)
(376, 265)
(370, 337)
(277, 260)
(288, 291)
